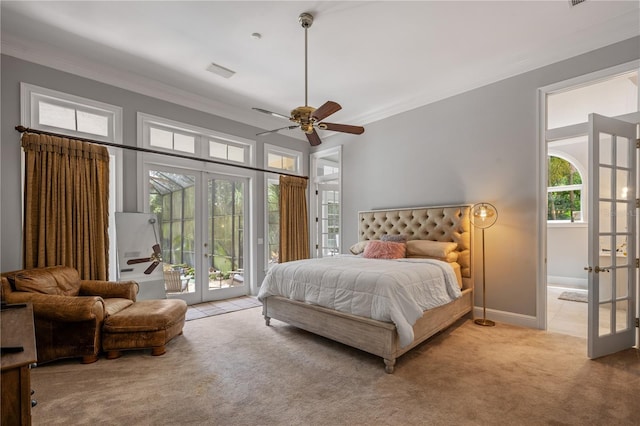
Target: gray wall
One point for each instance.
(481, 145)
(15, 71)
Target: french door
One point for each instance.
(224, 243)
(612, 236)
(202, 221)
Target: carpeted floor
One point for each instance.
(233, 370)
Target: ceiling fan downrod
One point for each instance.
(305, 19)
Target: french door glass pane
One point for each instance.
(172, 200)
(622, 150)
(605, 182)
(225, 237)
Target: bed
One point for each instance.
(442, 224)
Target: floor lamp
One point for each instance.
(483, 216)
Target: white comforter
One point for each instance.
(386, 290)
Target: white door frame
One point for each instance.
(544, 136)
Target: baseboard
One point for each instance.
(568, 282)
(508, 317)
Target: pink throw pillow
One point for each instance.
(384, 250)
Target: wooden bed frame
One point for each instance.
(447, 223)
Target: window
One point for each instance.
(58, 112)
(170, 139)
(327, 202)
(162, 134)
(226, 150)
(282, 159)
(62, 113)
(277, 159)
(273, 220)
(564, 191)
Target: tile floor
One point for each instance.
(218, 307)
(565, 316)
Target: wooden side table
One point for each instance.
(18, 343)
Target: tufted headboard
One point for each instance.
(446, 223)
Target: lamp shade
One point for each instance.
(483, 215)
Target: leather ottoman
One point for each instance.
(143, 325)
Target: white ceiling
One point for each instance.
(375, 58)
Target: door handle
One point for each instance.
(597, 269)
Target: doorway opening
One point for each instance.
(565, 108)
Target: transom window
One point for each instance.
(66, 114)
(167, 135)
(282, 159)
(564, 191)
(226, 150)
(171, 139)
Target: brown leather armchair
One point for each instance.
(68, 312)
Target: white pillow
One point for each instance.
(432, 249)
(358, 248)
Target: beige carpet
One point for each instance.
(233, 370)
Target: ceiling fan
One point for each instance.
(155, 257)
(306, 117)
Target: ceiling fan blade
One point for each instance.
(275, 114)
(345, 128)
(156, 249)
(326, 110)
(151, 267)
(313, 138)
(277, 130)
(141, 260)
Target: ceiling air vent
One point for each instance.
(575, 2)
(220, 70)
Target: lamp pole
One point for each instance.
(484, 321)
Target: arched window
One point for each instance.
(564, 191)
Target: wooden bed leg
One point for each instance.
(267, 320)
(389, 365)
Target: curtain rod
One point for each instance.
(23, 129)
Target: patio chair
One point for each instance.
(237, 277)
(174, 283)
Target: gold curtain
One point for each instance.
(294, 224)
(66, 205)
